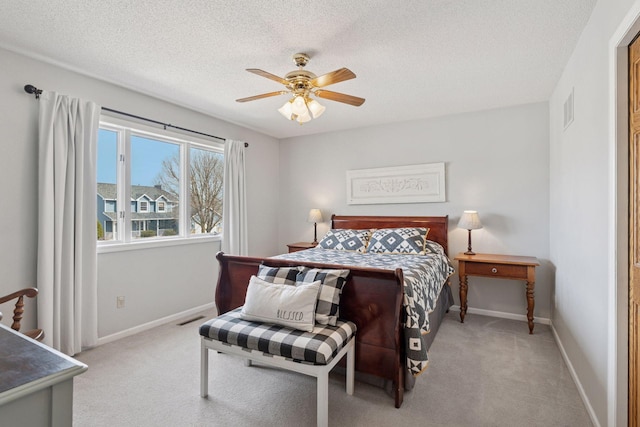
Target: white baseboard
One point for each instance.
(154, 323)
(576, 380)
(503, 315)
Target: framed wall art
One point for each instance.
(399, 184)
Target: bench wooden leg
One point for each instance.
(351, 363)
(204, 370)
(323, 400)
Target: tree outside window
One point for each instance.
(206, 172)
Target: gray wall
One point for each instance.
(497, 162)
(585, 216)
(156, 283)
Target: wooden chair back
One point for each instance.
(18, 310)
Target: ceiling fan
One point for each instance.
(301, 84)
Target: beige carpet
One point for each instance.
(485, 372)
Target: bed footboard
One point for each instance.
(371, 298)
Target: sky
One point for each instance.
(146, 158)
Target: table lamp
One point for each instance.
(315, 216)
(470, 221)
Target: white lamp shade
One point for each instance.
(286, 110)
(470, 220)
(315, 215)
(316, 108)
(303, 118)
(299, 106)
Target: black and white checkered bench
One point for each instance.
(312, 353)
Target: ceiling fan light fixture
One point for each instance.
(316, 108)
(286, 110)
(300, 84)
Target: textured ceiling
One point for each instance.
(413, 59)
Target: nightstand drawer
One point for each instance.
(498, 270)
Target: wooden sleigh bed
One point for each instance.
(372, 298)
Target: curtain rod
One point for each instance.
(35, 91)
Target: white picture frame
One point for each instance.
(422, 183)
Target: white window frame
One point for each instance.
(125, 129)
(144, 203)
(108, 204)
(161, 203)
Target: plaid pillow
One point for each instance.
(329, 296)
(280, 275)
(398, 241)
(345, 240)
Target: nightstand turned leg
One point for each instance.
(530, 304)
(463, 297)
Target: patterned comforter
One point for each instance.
(424, 276)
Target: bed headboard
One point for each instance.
(437, 225)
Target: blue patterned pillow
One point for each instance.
(346, 240)
(398, 241)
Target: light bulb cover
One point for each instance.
(286, 110)
(299, 106)
(316, 108)
(303, 118)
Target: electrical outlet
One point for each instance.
(120, 302)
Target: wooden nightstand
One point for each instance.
(502, 267)
(300, 246)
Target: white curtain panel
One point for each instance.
(234, 212)
(67, 275)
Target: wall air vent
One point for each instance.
(568, 110)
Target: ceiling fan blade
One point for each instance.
(340, 97)
(264, 95)
(268, 75)
(336, 76)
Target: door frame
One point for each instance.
(618, 285)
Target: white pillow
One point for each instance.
(286, 305)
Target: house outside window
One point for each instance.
(154, 185)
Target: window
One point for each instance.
(205, 188)
(147, 192)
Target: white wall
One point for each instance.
(582, 218)
(497, 162)
(156, 283)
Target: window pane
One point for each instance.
(107, 190)
(155, 177)
(205, 187)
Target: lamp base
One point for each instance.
(315, 233)
(469, 251)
